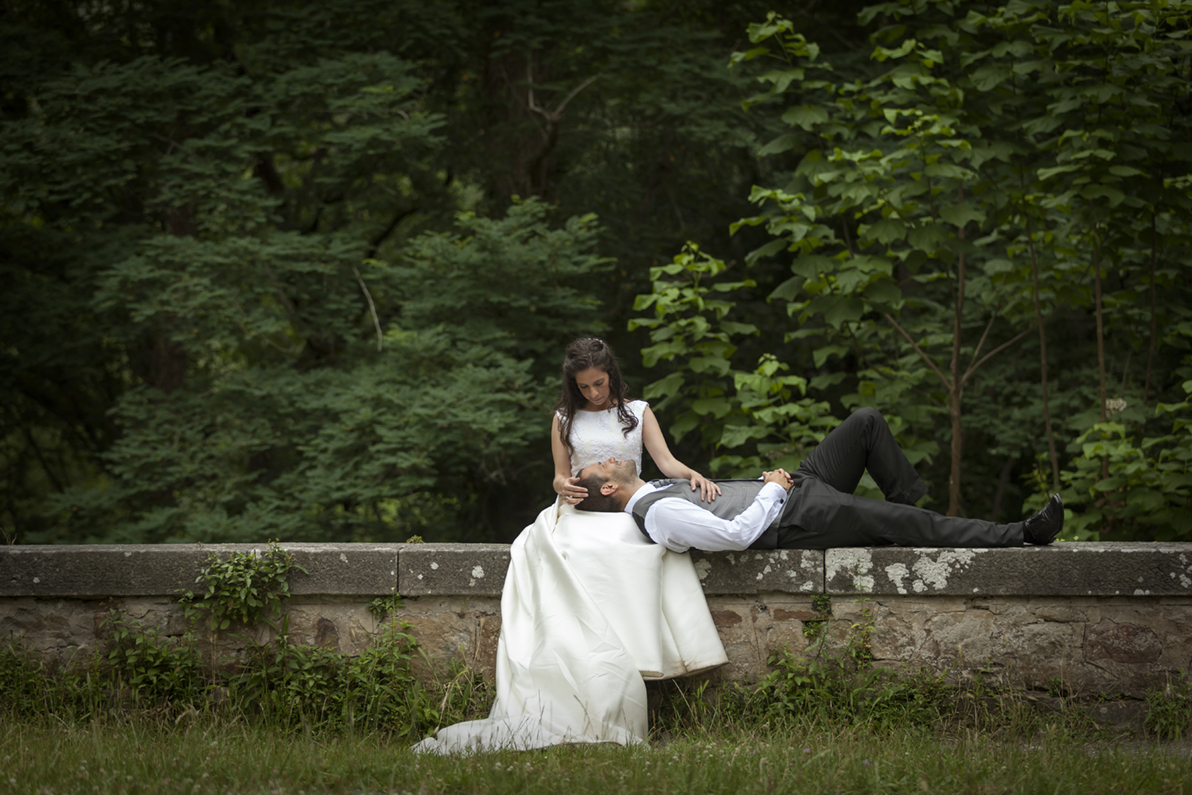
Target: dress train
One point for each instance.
(589, 608)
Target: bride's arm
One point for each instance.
(672, 467)
(564, 484)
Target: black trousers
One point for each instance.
(822, 512)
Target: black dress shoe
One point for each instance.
(1042, 528)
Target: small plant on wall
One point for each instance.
(247, 587)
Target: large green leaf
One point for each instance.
(844, 310)
(805, 116)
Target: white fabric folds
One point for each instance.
(589, 608)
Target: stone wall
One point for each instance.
(1106, 618)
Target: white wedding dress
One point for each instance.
(589, 608)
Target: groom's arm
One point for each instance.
(680, 525)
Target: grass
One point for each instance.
(142, 716)
(210, 755)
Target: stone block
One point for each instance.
(341, 626)
(454, 629)
(116, 570)
(345, 569)
(751, 630)
(100, 570)
(452, 569)
(1069, 569)
(792, 571)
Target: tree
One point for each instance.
(205, 207)
(944, 207)
(216, 230)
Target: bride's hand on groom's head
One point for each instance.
(573, 492)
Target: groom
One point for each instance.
(813, 509)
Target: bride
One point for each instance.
(590, 607)
(595, 419)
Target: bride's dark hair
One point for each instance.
(587, 354)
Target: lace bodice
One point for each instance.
(597, 435)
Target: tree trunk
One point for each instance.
(1150, 355)
(1003, 480)
(1100, 328)
(957, 390)
(1055, 461)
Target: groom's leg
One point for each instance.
(823, 517)
(864, 442)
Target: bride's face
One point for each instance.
(593, 385)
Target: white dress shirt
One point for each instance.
(680, 525)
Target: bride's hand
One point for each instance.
(571, 492)
(708, 490)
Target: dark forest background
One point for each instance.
(306, 270)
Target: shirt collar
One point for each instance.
(649, 488)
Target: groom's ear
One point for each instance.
(608, 489)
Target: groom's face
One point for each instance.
(611, 471)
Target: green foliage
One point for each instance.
(382, 606)
(813, 628)
(214, 216)
(1148, 490)
(294, 684)
(732, 408)
(136, 668)
(243, 587)
(405, 437)
(34, 688)
(156, 670)
(988, 171)
(281, 684)
(1169, 711)
(832, 692)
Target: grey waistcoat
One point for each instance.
(735, 497)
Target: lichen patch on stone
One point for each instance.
(935, 573)
(897, 573)
(856, 563)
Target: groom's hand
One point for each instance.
(780, 477)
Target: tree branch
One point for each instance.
(371, 306)
(380, 238)
(980, 344)
(997, 350)
(919, 351)
(551, 116)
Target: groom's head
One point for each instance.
(609, 484)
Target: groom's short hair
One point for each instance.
(595, 501)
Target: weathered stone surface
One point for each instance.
(793, 571)
(57, 628)
(1089, 644)
(1072, 569)
(453, 569)
(344, 569)
(1117, 640)
(456, 629)
(753, 629)
(340, 625)
(114, 570)
(100, 571)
